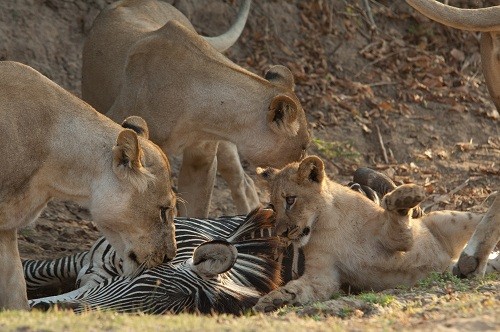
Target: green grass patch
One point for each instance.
(495, 276)
(443, 280)
(376, 298)
(336, 150)
(345, 312)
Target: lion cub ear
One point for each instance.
(265, 176)
(311, 169)
(137, 124)
(282, 116)
(266, 173)
(280, 75)
(127, 155)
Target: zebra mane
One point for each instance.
(256, 244)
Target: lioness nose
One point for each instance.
(169, 256)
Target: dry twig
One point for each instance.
(373, 26)
(381, 141)
(446, 197)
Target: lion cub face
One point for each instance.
(296, 197)
(139, 189)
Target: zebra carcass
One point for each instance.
(223, 265)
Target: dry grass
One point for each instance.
(439, 302)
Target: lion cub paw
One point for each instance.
(275, 300)
(403, 198)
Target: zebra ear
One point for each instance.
(214, 257)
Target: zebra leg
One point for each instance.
(89, 268)
(45, 303)
(375, 185)
(47, 277)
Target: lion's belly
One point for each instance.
(390, 271)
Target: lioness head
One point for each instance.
(140, 190)
(209, 97)
(296, 197)
(288, 133)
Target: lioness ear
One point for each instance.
(282, 115)
(137, 124)
(280, 75)
(266, 173)
(311, 169)
(127, 155)
(214, 257)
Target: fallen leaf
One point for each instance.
(457, 54)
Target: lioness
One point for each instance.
(347, 238)
(144, 57)
(56, 146)
(485, 20)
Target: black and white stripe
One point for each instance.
(53, 274)
(174, 286)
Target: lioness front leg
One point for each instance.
(12, 285)
(319, 287)
(396, 232)
(196, 178)
(241, 185)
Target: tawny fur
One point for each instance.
(474, 258)
(56, 146)
(144, 57)
(348, 239)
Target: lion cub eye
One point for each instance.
(289, 200)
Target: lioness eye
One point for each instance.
(163, 213)
(290, 200)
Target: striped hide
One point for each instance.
(185, 284)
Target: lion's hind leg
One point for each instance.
(403, 198)
(396, 231)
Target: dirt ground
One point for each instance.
(405, 95)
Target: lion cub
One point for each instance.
(53, 145)
(347, 238)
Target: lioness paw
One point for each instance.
(403, 198)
